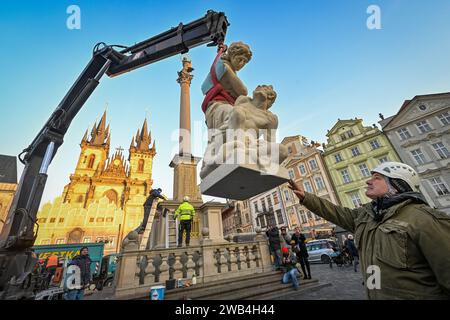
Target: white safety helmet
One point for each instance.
(398, 170)
(186, 198)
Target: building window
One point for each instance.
(141, 165)
(61, 220)
(275, 198)
(80, 199)
(269, 201)
(247, 218)
(255, 205)
(87, 239)
(42, 220)
(45, 241)
(374, 144)
(52, 220)
(109, 219)
(309, 215)
(355, 151)
(289, 150)
(444, 118)
(418, 156)
(91, 161)
(313, 164)
(308, 186)
(286, 195)
(280, 217)
(302, 169)
(346, 135)
(383, 159)
(423, 126)
(303, 217)
(319, 183)
(338, 157)
(441, 150)
(60, 241)
(291, 174)
(100, 219)
(364, 170)
(356, 200)
(317, 218)
(345, 176)
(262, 221)
(263, 204)
(439, 186)
(91, 219)
(404, 133)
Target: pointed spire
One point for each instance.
(132, 143)
(85, 137)
(102, 124)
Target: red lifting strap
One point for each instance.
(217, 92)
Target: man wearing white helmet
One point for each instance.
(397, 232)
(186, 212)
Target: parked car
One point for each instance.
(321, 250)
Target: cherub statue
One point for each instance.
(248, 121)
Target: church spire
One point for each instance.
(143, 139)
(100, 134)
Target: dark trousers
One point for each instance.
(184, 225)
(305, 263)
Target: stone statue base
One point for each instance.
(240, 182)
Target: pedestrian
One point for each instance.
(274, 245)
(290, 272)
(302, 253)
(186, 212)
(154, 194)
(284, 237)
(351, 249)
(50, 267)
(83, 262)
(403, 241)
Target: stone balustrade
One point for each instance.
(138, 270)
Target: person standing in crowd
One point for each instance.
(302, 253)
(290, 272)
(351, 249)
(398, 232)
(274, 245)
(284, 237)
(186, 212)
(83, 262)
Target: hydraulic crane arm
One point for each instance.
(18, 234)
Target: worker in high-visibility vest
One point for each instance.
(186, 213)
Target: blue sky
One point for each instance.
(319, 55)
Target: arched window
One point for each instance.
(111, 195)
(141, 165)
(80, 199)
(91, 161)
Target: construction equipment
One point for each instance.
(21, 227)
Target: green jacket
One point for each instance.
(185, 211)
(410, 245)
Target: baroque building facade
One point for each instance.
(420, 133)
(104, 199)
(306, 166)
(351, 152)
(236, 217)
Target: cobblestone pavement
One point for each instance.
(346, 284)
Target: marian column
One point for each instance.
(184, 163)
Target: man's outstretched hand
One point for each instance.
(298, 190)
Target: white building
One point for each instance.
(420, 133)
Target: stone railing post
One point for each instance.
(266, 263)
